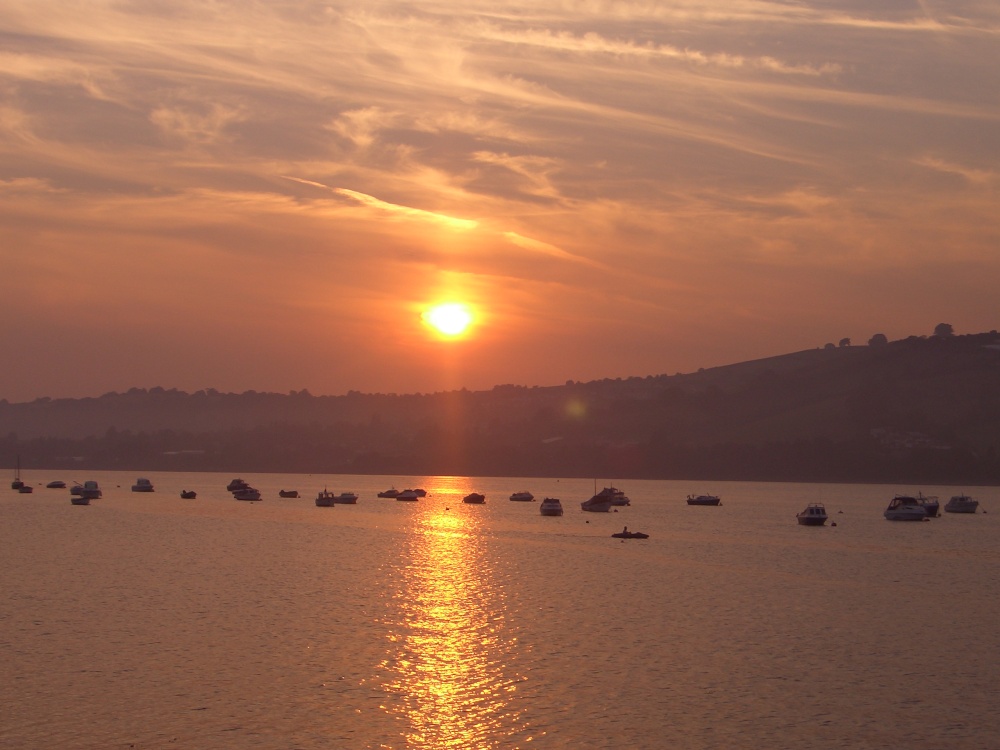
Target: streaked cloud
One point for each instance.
(685, 184)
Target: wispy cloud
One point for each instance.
(699, 165)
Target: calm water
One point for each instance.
(147, 621)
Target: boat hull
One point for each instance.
(704, 500)
(79, 500)
(811, 521)
(596, 506)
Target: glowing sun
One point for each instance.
(451, 319)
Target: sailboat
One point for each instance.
(17, 483)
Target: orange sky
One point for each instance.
(269, 195)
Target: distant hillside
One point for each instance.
(914, 410)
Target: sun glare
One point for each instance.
(451, 319)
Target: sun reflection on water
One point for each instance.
(446, 671)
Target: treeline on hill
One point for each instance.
(918, 410)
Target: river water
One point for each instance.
(147, 621)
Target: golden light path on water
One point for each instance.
(446, 672)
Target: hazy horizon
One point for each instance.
(267, 196)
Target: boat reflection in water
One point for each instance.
(448, 674)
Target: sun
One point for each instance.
(449, 319)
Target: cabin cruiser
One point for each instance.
(522, 497)
(551, 507)
(90, 490)
(813, 515)
(142, 485)
(391, 492)
(704, 500)
(408, 495)
(237, 484)
(617, 496)
(961, 504)
(325, 498)
(56, 484)
(597, 504)
(905, 508)
(247, 493)
(25, 489)
(476, 498)
(346, 498)
(931, 505)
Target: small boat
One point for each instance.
(476, 498)
(391, 492)
(704, 500)
(522, 497)
(551, 506)
(142, 485)
(237, 484)
(931, 505)
(420, 492)
(56, 484)
(409, 495)
(617, 496)
(79, 500)
(76, 490)
(626, 534)
(17, 483)
(961, 504)
(905, 508)
(597, 504)
(189, 494)
(247, 493)
(288, 493)
(324, 499)
(813, 515)
(346, 498)
(25, 489)
(90, 490)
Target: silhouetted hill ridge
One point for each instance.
(852, 413)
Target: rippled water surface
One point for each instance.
(147, 621)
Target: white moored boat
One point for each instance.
(813, 515)
(408, 495)
(551, 506)
(905, 508)
(522, 497)
(597, 504)
(90, 490)
(961, 504)
(931, 504)
(142, 485)
(346, 498)
(247, 493)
